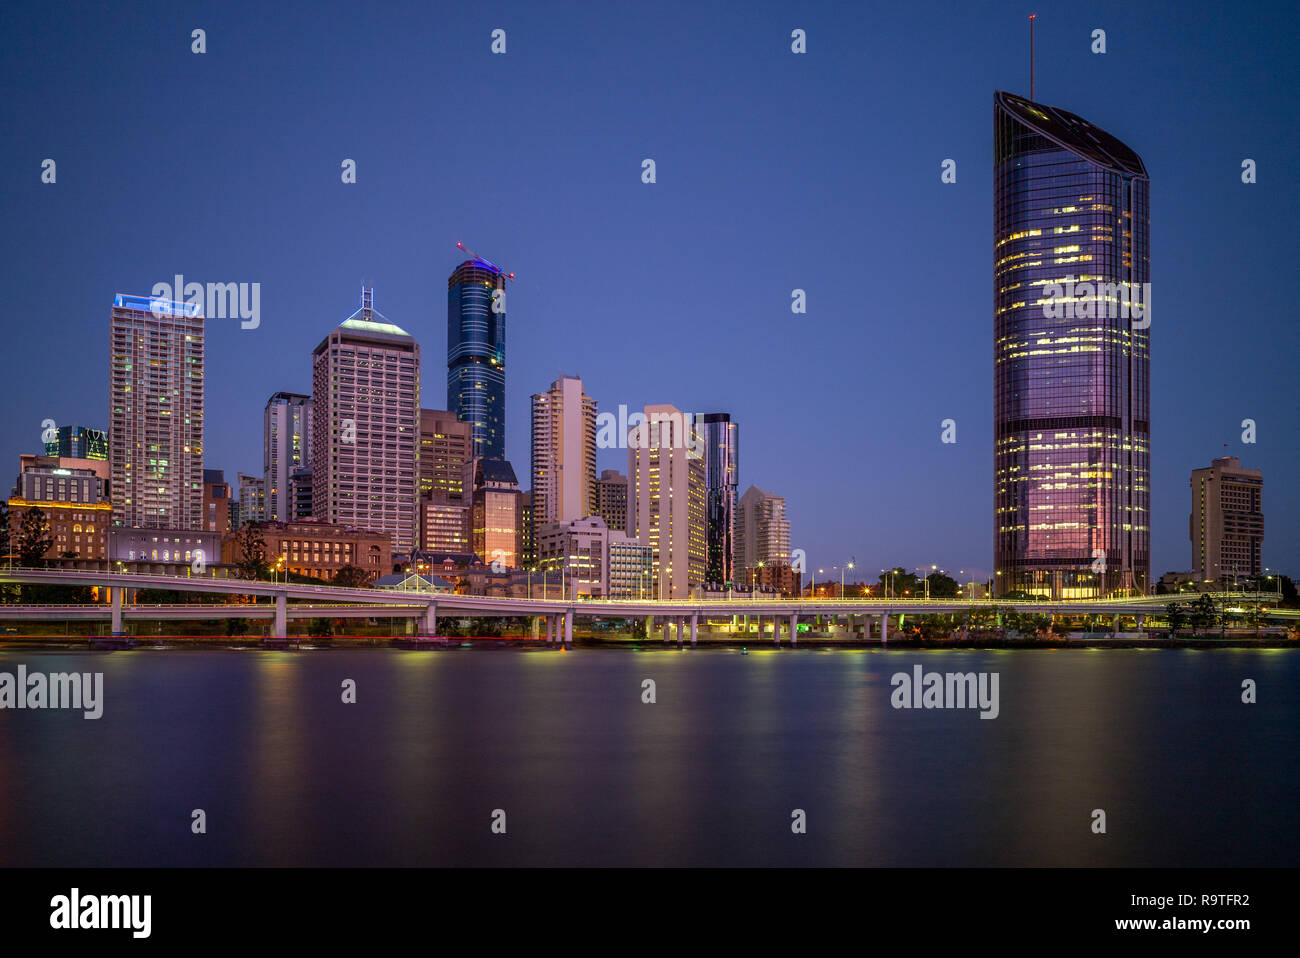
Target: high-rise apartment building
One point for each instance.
(665, 499)
(252, 498)
(611, 499)
(1227, 521)
(365, 426)
(762, 532)
(721, 480)
(476, 353)
(563, 454)
(156, 401)
(286, 448)
(1072, 427)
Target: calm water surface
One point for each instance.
(708, 775)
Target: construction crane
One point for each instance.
(465, 249)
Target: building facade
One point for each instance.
(496, 507)
(156, 400)
(762, 532)
(365, 422)
(79, 442)
(576, 553)
(216, 501)
(665, 499)
(563, 454)
(721, 481)
(611, 499)
(1071, 360)
(286, 448)
(1227, 521)
(252, 498)
(446, 444)
(631, 567)
(319, 549)
(476, 353)
(444, 524)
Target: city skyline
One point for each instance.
(1199, 395)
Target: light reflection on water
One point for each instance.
(288, 774)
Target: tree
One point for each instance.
(351, 577)
(321, 628)
(236, 626)
(34, 539)
(251, 553)
(1174, 613)
(1204, 614)
(941, 586)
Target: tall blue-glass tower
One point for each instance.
(476, 354)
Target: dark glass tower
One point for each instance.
(476, 355)
(1071, 395)
(721, 477)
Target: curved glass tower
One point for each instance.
(1071, 358)
(721, 478)
(476, 355)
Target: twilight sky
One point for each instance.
(775, 171)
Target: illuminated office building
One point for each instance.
(721, 480)
(1071, 363)
(286, 448)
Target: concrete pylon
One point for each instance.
(280, 628)
(568, 627)
(431, 619)
(117, 609)
(695, 621)
(794, 628)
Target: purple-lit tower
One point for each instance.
(1072, 425)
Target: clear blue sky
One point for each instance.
(775, 171)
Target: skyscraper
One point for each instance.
(721, 480)
(365, 425)
(665, 499)
(496, 504)
(446, 444)
(156, 402)
(1227, 521)
(1071, 363)
(252, 498)
(286, 448)
(78, 442)
(476, 353)
(563, 454)
(762, 533)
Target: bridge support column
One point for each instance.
(117, 609)
(280, 629)
(1114, 623)
(695, 621)
(1141, 622)
(884, 627)
(668, 629)
(681, 624)
(568, 627)
(794, 628)
(776, 630)
(431, 619)
(546, 619)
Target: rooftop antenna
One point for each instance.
(1032, 16)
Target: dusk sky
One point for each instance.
(775, 171)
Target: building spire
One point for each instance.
(367, 300)
(1032, 17)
